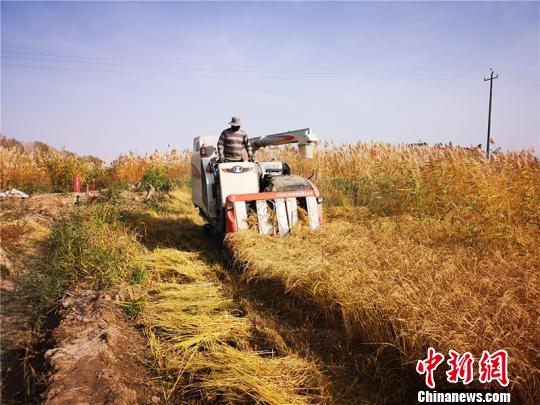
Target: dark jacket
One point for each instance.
(231, 144)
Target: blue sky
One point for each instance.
(103, 78)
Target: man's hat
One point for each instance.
(235, 122)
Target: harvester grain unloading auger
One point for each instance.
(227, 194)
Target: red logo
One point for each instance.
(491, 367)
(494, 367)
(429, 365)
(461, 367)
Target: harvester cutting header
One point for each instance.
(227, 190)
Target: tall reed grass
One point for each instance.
(161, 170)
(422, 247)
(52, 171)
(22, 170)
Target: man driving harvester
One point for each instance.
(231, 143)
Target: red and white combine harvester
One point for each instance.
(228, 193)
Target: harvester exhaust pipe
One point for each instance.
(305, 139)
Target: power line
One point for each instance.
(215, 75)
(172, 74)
(162, 68)
(530, 78)
(164, 74)
(417, 73)
(161, 64)
(219, 67)
(173, 68)
(171, 71)
(80, 70)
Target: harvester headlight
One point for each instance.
(320, 200)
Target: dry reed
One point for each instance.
(47, 169)
(422, 247)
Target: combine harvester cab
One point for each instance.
(232, 195)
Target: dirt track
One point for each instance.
(24, 227)
(85, 352)
(98, 357)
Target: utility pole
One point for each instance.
(491, 78)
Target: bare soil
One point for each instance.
(98, 358)
(86, 352)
